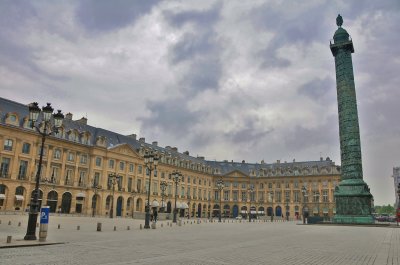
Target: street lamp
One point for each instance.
(272, 205)
(250, 190)
(113, 178)
(220, 186)
(305, 210)
(163, 187)
(287, 208)
(50, 126)
(176, 177)
(150, 162)
(95, 188)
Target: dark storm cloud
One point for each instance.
(199, 49)
(318, 89)
(105, 15)
(171, 116)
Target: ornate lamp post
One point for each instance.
(163, 187)
(176, 177)
(305, 209)
(272, 205)
(150, 162)
(220, 186)
(50, 126)
(250, 191)
(113, 178)
(95, 188)
(287, 208)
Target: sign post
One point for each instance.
(44, 223)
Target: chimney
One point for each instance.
(294, 160)
(133, 136)
(82, 120)
(168, 147)
(68, 116)
(174, 149)
(155, 143)
(243, 161)
(321, 159)
(262, 161)
(278, 161)
(186, 153)
(142, 139)
(200, 157)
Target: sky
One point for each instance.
(227, 80)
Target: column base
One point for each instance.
(349, 219)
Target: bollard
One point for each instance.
(141, 227)
(9, 239)
(115, 228)
(128, 228)
(78, 227)
(19, 223)
(59, 226)
(9, 222)
(98, 227)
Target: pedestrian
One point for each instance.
(155, 216)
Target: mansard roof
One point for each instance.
(219, 167)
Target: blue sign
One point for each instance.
(44, 214)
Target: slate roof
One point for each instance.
(113, 139)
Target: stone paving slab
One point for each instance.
(205, 243)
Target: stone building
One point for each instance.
(81, 157)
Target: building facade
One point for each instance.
(80, 160)
(396, 180)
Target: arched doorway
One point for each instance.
(139, 205)
(19, 198)
(235, 211)
(199, 210)
(243, 211)
(278, 211)
(269, 211)
(227, 211)
(52, 198)
(215, 210)
(66, 202)
(120, 202)
(95, 205)
(168, 207)
(261, 211)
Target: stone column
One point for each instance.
(353, 198)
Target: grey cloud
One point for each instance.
(105, 15)
(248, 134)
(318, 89)
(172, 116)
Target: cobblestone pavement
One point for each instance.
(206, 243)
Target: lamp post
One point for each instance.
(113, 178)
(176, 177)
(250, 191)
(163, 187)
(305, 210)
(287, 208)
(220, 186)
(95, 188)
(272, 205)
(150, 162)
(50, 126)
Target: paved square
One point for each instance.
(205, 243)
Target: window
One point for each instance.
(270, 185)
(278, 196)
(278, 185)
(98, 161)
(325, 195)
(26, 148)
(23, 168)
(235, 184)
(96, 179)
(226, 195)
(81, 182)
(69, 177)
(5, 165)
(70, 157)
(169, 188)
(57, 154)
(216, 195)
(121, 166)
(287, 185)
(84, 159)
(296, 196)
(129, 184)
(110, 163)
(261, 185)
(296, 183)
(139, 185)
(140, 169)
(235, 196)
(244, 185)
(244, 198)
(131, 167)
(182, 192)
(188, 179)
(316, 196)
(19, 190)
(8, 144)
(44, 151)
(287, 196)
